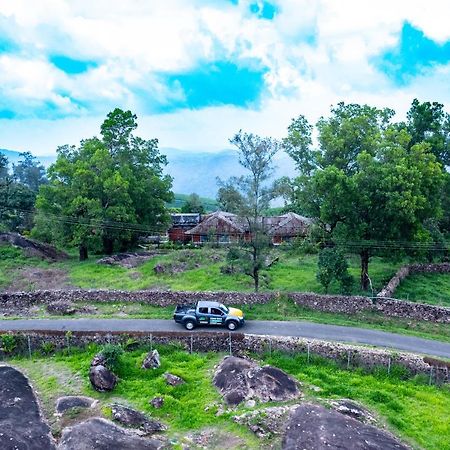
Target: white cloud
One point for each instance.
(316, 52)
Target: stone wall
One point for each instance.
(403, 272)
(239, 344)
(326, 303)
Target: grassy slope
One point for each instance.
(417, 412)
(435, 288)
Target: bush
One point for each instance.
(8, 343)
(112, 354)
(332, 265)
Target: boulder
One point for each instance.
(127, 260)
(102, 379)
(173, 380)
(98, 360)
(63, 404)
(315, 427)
(21, 422)
(136, 419)
(101, 434)
(352, 409)
(151, 361)
(240, 379)
(157, 402)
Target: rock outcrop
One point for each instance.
(136, 419)
(127, 260)
(64, 404)
(21, 423)
(240, 379)
(152, 360)
(314, 427)
(173, 380)
(101, 434)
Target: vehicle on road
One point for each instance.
(208, 313)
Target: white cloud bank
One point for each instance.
(317, 53)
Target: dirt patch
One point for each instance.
(35, 278)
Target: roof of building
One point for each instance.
(185, 219)
(222, 222)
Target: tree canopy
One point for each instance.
(105, 192)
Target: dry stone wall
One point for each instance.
(238, 344)
(326, 303)
(403, 272)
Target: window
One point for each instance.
(203, 310)
(216, 311)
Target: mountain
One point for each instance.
(197, 172)
(194, 171)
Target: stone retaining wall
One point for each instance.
(403, 272)
(326, 303)
(240, 344)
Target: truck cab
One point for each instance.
(208, 313)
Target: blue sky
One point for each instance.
(197, 71)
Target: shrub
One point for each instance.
(112, 354)
(8, 343)
(332, 265)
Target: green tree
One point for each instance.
(369, 185)
(228, 196)
(256, 156)
(193, 204)
(332, 265)
(106, 192)
(29, 172)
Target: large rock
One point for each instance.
(64, 404)
(62, 308)
(240, 379)
(314, 427)
(21, 424)
(173, 380)
(127, 260)
(136, 419)
(101, 434)
(102, 379)
(152, 361)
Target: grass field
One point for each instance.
(415, 411)
(435, 288)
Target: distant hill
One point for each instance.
(194, 171)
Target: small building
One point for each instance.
(181, 223)
(287, 227)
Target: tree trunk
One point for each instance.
(364, 269)
(256, 278)
(108, 246)
(83, 252)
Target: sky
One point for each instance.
(197, 71)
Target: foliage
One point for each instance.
(193, 205)
(228, 197)
(8, 343)
(47, 348)
(29, 172)
(367, 185)
(102, 194)
(251, 197)
(16, 201)
(112, 354)
(332, 265)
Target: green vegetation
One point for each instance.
(209, 204)
(409, 407)
(426, 287)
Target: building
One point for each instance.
(227, 228)
(181, 223)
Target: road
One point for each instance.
(274, 328)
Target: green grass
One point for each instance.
(417, 412)
(426, 287)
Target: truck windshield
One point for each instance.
(224, 308)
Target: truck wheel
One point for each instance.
(189, 325)
(231, 325)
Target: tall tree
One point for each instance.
(368, 184)
(193, 205)
(256, 156)
(29, 172)
(107, 191)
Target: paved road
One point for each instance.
(274, 328)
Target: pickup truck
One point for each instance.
(208, 313)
